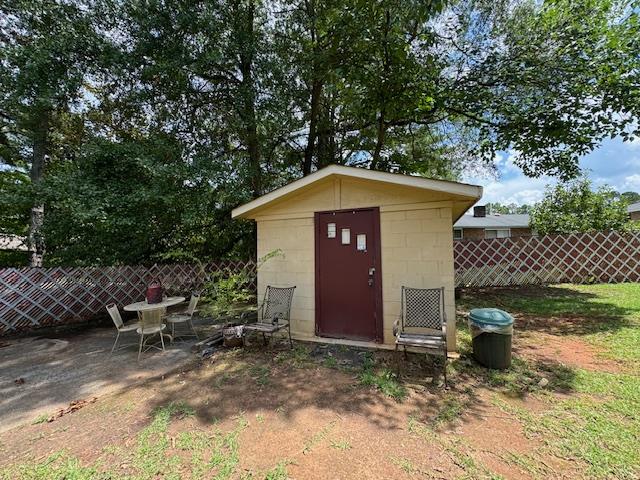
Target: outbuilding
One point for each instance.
(350, 239)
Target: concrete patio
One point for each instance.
(40, 375)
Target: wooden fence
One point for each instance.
(31, 298)
(602, 257)
(36, 297)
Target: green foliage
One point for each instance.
(231, 288)
(510, 208)
(630, 197)
(575, 207)
(385, 381)
(143, 124)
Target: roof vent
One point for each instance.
(480, 211)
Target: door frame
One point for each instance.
(377, 263)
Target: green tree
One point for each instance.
(576, 207)
(48, 51)
(630, 197)
(510, 208)
(149, 120)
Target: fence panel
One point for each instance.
(36, 297)
(603, 257)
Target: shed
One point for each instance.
(350, 238)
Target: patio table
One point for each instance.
(149, 307)
(152, 312)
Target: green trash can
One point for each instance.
(491, 331)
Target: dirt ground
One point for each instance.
(316, 419)
(307, 413)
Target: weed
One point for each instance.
(404, 464)
(279, 472)
(58, 466)
(386, 382)
(450, 408)
(318, 437)
(40, 419)
(330, 362)
(260, 374)
(341, 445)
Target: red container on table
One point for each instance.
(154, 292)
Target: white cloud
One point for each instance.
(632, 182)
(520, 190)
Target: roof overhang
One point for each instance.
(470, 192)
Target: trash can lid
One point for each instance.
(490, 316)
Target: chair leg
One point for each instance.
(140, 347)
(397, 362)
(290, 342)
(173, 330)
(444, 369)
(115, 343)
(405, 353)
(193, 330)
(162, 340)
(264, 339)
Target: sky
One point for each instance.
(615, 163)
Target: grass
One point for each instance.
(260, 374)
(600, 426)
(611, 312)
(385, 381)
(341, 445)
(593, 423)
(210, 454)
(459, 452)
(40, 419)
(318, 437)
(598, 423)
(279, 472)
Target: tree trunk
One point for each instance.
(382, 126)
(316, 93)
(326, 139)
(382, 132)
(35, 240)
(248, 102)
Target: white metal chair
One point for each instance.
(422, 310)
(150, 325)
(185, 317)
(114, 313)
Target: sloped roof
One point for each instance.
(494, 221)
(472, 192)
(634, 207)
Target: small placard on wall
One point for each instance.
(361, 242)
(346, 236)
(331, 230)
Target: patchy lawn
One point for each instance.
(567, 408)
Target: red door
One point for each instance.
(348, 276)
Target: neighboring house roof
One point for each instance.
(469, 193)
(12, 242)
(494, 221)
(634, 207)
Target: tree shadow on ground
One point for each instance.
(290, 382)
(553, 309)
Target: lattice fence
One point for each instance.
(604, 257)
(36, 297)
